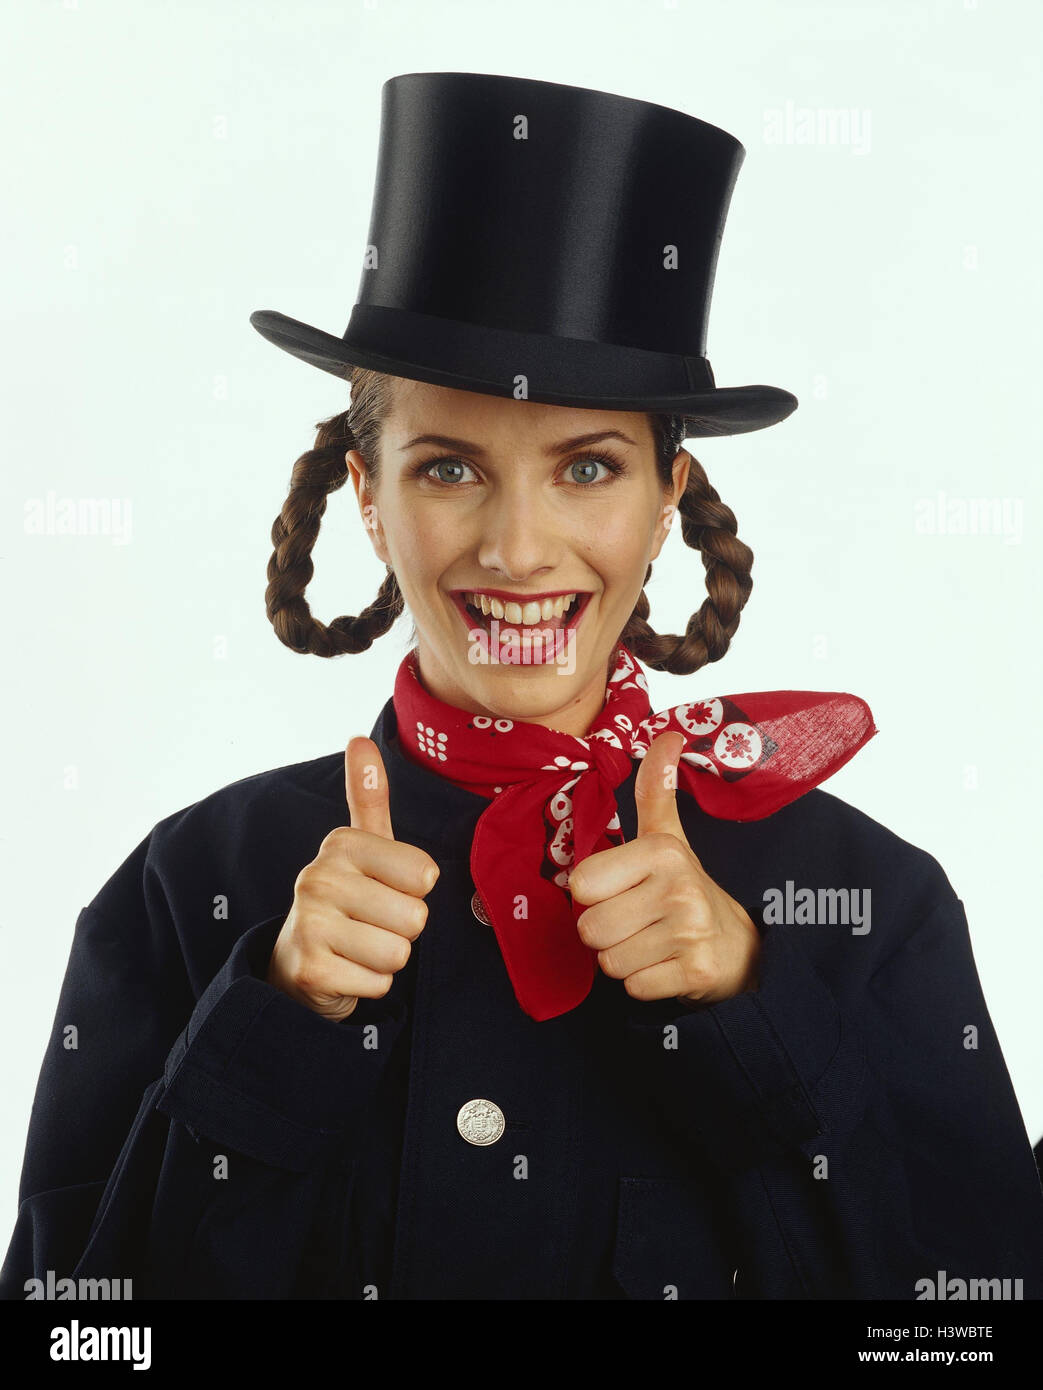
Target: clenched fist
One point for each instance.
(358, 905)
(656, 918)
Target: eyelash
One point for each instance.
(616, 469)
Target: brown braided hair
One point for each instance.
(707, 525)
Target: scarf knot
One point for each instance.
(602, 755)
(552, 795)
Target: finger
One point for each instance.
(394, 862)
(383, 952)
(611, 871)
(655, 787)
(335, 978)
(665, 980)
(366, 787)
(363, 899)
(620, 916)
(655, 945)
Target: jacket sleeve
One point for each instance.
(160, 1119)
(870, 1136)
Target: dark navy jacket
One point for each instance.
(829, 1135)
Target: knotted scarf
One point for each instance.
(552, 795)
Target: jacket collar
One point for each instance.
(426, 809)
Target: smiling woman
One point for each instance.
(491, 1004)
(511, 516)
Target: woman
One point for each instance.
(529, 994)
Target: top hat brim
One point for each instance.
(718, 410)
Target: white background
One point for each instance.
(170, 168)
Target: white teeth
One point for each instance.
(525, 615)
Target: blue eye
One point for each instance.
(427, 469)
(592, 461)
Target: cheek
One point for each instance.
(420, 544)
(618, 549)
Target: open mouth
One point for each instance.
(562, 615)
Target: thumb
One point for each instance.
(366, 786)
(655, 787)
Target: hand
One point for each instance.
(358, 905)
(657, 920)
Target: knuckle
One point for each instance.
(586, 927)
(697, 977)
(308, 883)
(307, 976)
(685, 898)
(337, 839)
(688, 941)
(401, 953)
(666, 849)
(609, 963)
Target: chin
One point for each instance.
(524, 684)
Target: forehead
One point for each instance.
(418, 407)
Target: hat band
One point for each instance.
(583, 366)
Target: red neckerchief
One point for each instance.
(553, 795)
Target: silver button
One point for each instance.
(480, 1121)
(478, 908)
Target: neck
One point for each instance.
(575, 717)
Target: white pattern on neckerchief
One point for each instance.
(552, 795)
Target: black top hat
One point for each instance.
(546, 242)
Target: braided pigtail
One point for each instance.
(707, 525)
(317, 474)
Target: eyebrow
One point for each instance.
(564, 446)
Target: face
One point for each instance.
(526, 504)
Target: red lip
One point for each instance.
(518, 598)
(471, 619)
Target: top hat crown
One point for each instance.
(547, 242)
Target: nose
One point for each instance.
(520, 536)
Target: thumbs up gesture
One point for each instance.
(657, 920)
(358, 905)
